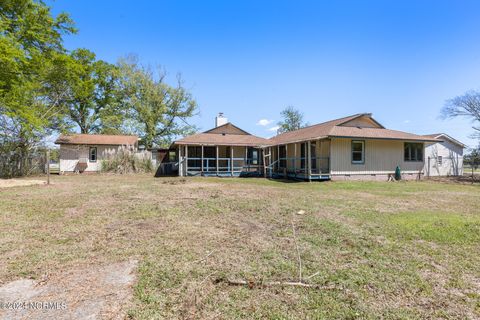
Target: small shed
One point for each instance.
(444, 158)
(83, 152)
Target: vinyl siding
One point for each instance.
(452, 159)
(71, 154)
(381, 157)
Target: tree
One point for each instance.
(473, 158)
(467, 105)
(292, 120)
(158, 111)
(30, 37)
(87, 90)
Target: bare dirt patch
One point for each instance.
(8, 183)
(95, 292)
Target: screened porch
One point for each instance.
(220, 161)
(306, 160)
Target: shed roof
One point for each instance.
(96, 139)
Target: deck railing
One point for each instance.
(225, 165)
(298, 166)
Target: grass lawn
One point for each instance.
(407, 250)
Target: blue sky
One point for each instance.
(399, 60)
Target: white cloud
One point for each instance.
(274, 128)
(406, 121)
(264, 122)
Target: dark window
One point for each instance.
(302, 156)
(413, 151)
(194, 153)
(209, 152)
(358, 152)
(282, 156)
(253, 156)
(93, 154)
(313, 155)
(439, 160)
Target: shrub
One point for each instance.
(127, 161)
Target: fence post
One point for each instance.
(48, 166)
(428, 168)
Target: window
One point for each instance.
(93, 154)
(413, 151)
(358, 152)
(252, 156)
(439, 160)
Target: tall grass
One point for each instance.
(126, 161)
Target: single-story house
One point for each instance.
(443, 158)
(353, 147)
(84, 152)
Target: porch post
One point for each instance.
(202, 159)
(186, 160)
(231, 160)
(180, 161)
(246, 158)
(286, 162)
(309, 152)
(270, 161)
(295, 159)
(216, 159)
(278, 158)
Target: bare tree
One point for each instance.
(467, 105)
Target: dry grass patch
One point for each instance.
(395, 250)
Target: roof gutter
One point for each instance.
(380, 138)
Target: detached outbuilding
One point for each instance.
(445, 157)
(84, 152)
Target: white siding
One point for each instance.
(71, 154)
(381, 157)
(452, 159)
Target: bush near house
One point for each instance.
(127, 161)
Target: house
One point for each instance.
(444, 158)
(356, 147)
(84, 152)
(353, 147)
(225, 150)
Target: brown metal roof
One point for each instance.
(224, 135)
(439, 136)
(336, 128)
(97, 139)
(434, 135)
(223, 139)
(375, 133)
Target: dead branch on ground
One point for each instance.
(253, 284)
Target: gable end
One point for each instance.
(227, 128)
